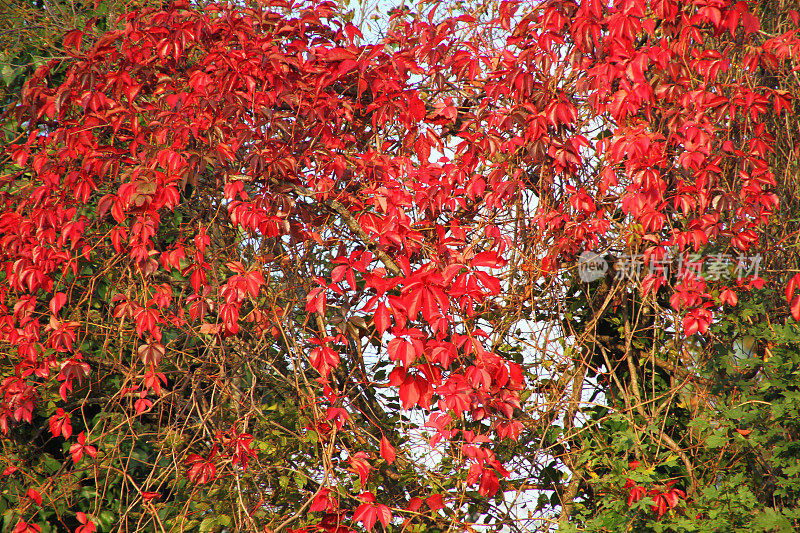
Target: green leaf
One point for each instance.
(208, 524)
(716, 440)
(106, 518)
(8, 74)
(772, 521)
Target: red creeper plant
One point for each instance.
(171, 185)
(239, 245)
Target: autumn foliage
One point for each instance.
(261, 271)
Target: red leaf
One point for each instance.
(489, 484)
(403, 350)
(316, 301)
(35, 496)
(337, 414)
(57, 302)
(636, 494)
(792, 286)
(672, 497)
(25, 527)
(409, 392)
(338, 54)
(795, 308)
(691, 325)
(435, 502)
(729, 297)
(414, 504)
(20, 156)
(489, 259)
(659, 505)
(384, 514)
(60, 424)
(416, 108)
(352, 32)
(141, 405)
(324, 358)
(324, 501)
(387, 451)
(151, 353)
(750, 22)
(413, 301)
(201, 470)
(367, 514)
(381, 318)
(72, 41)
(87, 525)
(225, 152)
(77, 450)
(360, 465)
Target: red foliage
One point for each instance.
(369, 512)
(25, 527)
(387, 450)
(201, 470)
(663, 500)
(176, 93)
(87, 526)
(79, 448)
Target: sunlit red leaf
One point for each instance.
(435, 502)
(367, 514)
(324, 501)
(387, 450)
(359, 462)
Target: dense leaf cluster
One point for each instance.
(522, 265)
